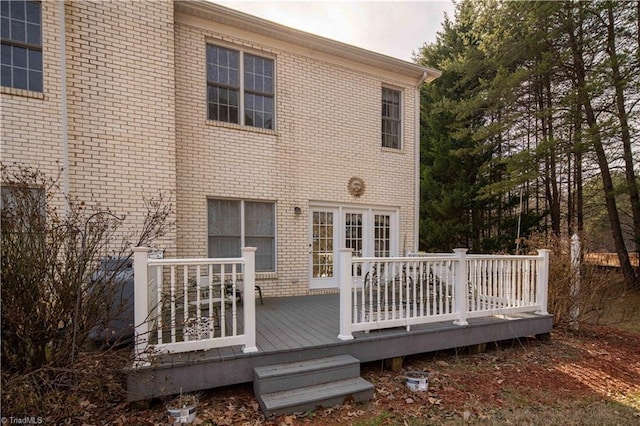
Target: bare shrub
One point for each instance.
(587, 302)
(54, 291)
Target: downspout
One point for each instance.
(416, 207)
(63, 107)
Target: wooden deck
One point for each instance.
(300, 328)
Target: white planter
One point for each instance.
(182, 415)
(417, 381)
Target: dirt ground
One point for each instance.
(585, 377)
(591, 376)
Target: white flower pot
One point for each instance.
(182, 415)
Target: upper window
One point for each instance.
(391, 119)
(234, 224)
(239, 87)
(21, 50)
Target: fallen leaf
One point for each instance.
(382, 391)
(287, 421)
(434, 401)
(409, 401)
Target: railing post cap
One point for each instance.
(543, 251)
(345, 250)
(249, 248)
(141, 249)
(460, 250)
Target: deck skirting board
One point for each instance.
(210, 369)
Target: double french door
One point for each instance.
(367, 231)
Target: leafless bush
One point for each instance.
(54, 291)
(582, 294)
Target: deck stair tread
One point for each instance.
(304, 385)
(274, 378)
(310, 397)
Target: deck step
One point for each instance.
(311, 397)
(305, 385)
(275, 378)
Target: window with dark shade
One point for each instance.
(234, 224)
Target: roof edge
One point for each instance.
(224, 15)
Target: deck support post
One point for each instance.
(460, 286)
(344, 277)
(394, 364)
(542, 285)
(141, 304)
(249, 297)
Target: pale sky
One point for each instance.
(393, 28)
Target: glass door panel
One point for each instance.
(382, 235)
(322, 246)
(353, 233)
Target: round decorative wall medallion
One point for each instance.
(356, 186)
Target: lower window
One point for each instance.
(233, 224)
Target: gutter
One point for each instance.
(63, 107)
(416, 213)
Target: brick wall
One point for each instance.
(31, 122)
(138, 126)
(121, 103)
(327, 130)
(121, 126)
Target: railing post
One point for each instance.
(542, 285)
(575, 281)
(249, 297)
(460, 286)
(344, 283)
(141, 304)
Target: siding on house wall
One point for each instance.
(328, 120)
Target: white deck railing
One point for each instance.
(193, 304)
(378, 293)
